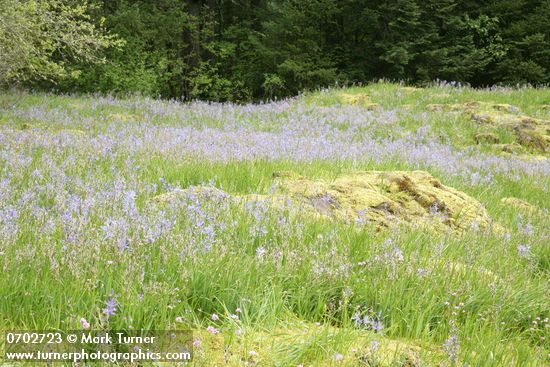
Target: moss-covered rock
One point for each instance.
(388, 197)
(488, 138)
(533, 157)
(512, 148)
(201, 192)
(382, 198)
(530, 132)
(392, 353)
(505, 107)
(532, 138)
(124, 117)
(272, 347)
(527, 157)
(362, 100)
(76, 132)
(436, 107)
(519, 204)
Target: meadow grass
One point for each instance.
(78, 227)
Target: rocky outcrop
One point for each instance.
(382, 198)
(362, 100)
(520, 204)
(488, 138)
(386, 198)
(530, 132)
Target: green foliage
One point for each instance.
(229, 50)
(273, 85)
(39, 39)
(525, 33)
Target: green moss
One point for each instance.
(381, 197)
(486, 138)
(530, 132)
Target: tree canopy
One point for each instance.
(40, 39)
(240, 50)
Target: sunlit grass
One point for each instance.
(86, 227)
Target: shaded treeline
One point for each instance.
(247, 50)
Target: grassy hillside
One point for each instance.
(80, 226)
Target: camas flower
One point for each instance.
(110, 308)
